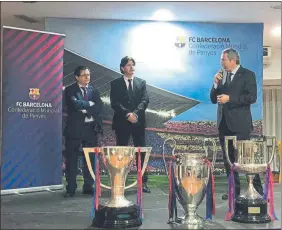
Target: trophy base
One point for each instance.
(124, 217)
(191, 221)
(251, 211)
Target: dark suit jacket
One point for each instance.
(75, 102)
(121, 104)
(242, 93)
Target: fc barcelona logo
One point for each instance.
(34, 93)
(180, 41)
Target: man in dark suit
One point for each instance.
(129, 99)
(84, 106)
(234, 90)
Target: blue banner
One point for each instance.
(32, 109)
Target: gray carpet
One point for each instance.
(49, 210)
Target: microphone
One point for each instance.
(221, 71)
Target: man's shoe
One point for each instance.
(67, 194)
(146, 189)
(225, 196)
(88, 192)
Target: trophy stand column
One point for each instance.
(250, 207)
(251, 192)
(191, 218)
(117, 212)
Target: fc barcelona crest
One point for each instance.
(34, 93)
(180, 41)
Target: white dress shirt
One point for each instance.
(127, 82)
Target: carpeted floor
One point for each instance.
(50, 210)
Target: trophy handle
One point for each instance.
(273, 146)
(172, 153)
(89, 165)
(170, 139)
(214, 150)
(145, 163)
(227, 138)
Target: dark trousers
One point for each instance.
(89, 139)
(224, 131)
(138, 137)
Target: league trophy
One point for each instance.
(117, 212)
(252, 157)
(189, 181)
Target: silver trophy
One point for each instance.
(118, 212)
(192, 174)
(252, 157)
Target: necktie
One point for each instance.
(228, 78)
(130, 91)
(85, 96)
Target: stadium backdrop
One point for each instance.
(178, 61)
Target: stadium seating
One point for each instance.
(188, 136)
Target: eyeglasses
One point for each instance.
(84, 75)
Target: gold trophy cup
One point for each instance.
(253, 156)
(117, 212)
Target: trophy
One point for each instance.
(252, 157)
(118, 212)
(190, 177)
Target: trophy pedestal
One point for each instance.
(123, 217)
(250, 211)
(191, 221)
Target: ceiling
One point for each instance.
(182, 11)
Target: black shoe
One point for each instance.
(67, 194)
(225, 196)
(88, 192)
(146, 189)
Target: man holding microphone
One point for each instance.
(234, 90)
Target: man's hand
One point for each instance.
(222, 99)
(218, 77)
(131, 118)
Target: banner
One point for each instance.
(178, 60)
(31, 108)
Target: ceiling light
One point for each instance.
(276, 7)
(276, 31)
(162, 15)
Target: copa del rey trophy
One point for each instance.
(253, 156)
(117, 212)
(190, 179)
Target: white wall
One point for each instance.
(15, 22)
(273, 71)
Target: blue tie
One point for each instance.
(85, 96)
(228, 78)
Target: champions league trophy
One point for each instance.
(253, 156)
(189, 181)
(117, 212)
